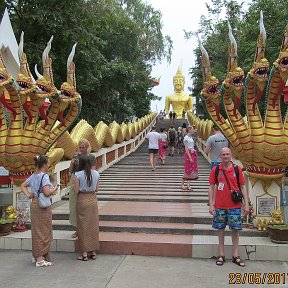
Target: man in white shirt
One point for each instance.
(153, 138)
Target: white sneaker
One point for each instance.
(43, 263)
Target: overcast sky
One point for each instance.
(177, 16)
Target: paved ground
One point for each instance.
(116, 271)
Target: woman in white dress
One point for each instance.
(190, 160)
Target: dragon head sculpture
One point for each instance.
(45, 83)
(68, 92)
(233, 82)
(259, 70)
(261, 145)
(5, 77)
(26, 135)
(27, 86)
(210, 92)
(24, 78)
(281, 63)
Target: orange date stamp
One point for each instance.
(258, 278)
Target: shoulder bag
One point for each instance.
(236, 195)
(44, 201)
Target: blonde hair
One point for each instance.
(86, 143)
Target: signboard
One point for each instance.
(23, 204)
(265, 205)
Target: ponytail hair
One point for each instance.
(85, 165)
(40, 161)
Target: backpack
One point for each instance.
(236, 170)
(180, 137)
(172, 135)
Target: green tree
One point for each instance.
(245, 24)
(118, 42)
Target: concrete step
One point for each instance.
(197, 246)
(154, 198)
(148, 193)
(157, 228)
(196, 219)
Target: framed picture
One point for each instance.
(265, 204)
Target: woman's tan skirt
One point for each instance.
(41, 230)
(72, 203)
(87, 221)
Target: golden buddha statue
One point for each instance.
(179, 100)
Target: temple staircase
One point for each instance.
(146, 212)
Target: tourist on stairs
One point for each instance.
(214, 144)
(225, 180)
(83, 149)
(163, 145)
(41, 218)
(86, 183)
(190, 160)
(180, 140)
(172, 139)
(154, 138)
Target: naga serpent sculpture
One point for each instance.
(28, 128)
(262, 146)
(23, 134)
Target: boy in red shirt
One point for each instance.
(223, 208)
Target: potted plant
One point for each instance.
(6, 226)
(277, 230)
(9, 218)
(278, 233)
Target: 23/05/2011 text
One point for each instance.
(258, 278)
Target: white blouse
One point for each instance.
(83, 187)
(190, 142)
(163, 137)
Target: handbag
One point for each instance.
(236, 195)
(44, 201)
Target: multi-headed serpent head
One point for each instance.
(233, 83)
(263, 143)
(260, 68)
(210, 92)
(68, 92)
(24, 78)
(5, 77)
(281, 64)
(45, 83)
(25, 135)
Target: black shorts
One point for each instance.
(172, 144)
(154, 151)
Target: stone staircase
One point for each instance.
(147, 213)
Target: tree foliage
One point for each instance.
(118, 42)
(245, 24)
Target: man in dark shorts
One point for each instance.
(174, 116)
(154, 138)
(170, 116)
(223, 208)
